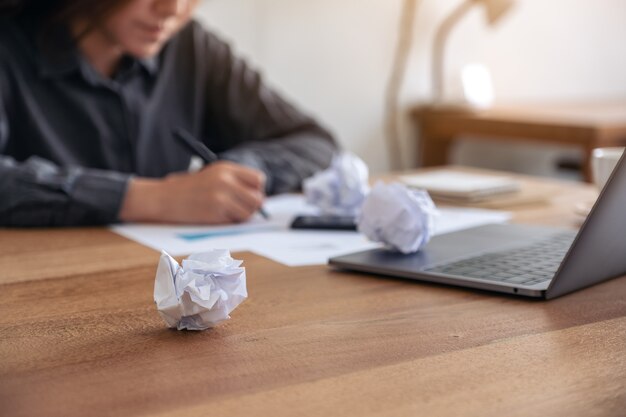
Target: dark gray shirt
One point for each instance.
(70, 139)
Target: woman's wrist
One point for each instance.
(143, 201)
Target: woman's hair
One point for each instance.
(62, 12)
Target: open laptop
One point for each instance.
(517, 259)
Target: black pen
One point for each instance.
(200, 149)
(195, 146)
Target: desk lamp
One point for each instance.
(494, 9)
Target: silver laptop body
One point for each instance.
(524, 260)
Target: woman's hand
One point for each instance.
(223, 192)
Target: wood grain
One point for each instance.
(36, 254)
(85, 339)
(524, 376)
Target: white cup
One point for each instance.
(603, 162)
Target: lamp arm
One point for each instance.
(396, 80)
(439, 46)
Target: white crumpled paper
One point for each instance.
(401, 218)
(200, 294)
(341, 188)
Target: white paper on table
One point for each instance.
(179, 240)
(279, 243)
(302, 247)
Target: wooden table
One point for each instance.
(80, 336)
(586, 126)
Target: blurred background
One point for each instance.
(334, 59)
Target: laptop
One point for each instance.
(532, 261)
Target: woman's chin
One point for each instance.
(144, 51)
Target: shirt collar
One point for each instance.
(129, 66)
(150, 65)
(60, 56)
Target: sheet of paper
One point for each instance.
(184, 240)
(302, 248)
(273, 239)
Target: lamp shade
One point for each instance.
(494, 9)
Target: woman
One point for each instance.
(93, 96)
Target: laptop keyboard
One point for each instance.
(527, 265)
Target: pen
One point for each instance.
(195, 146)
(200, 149)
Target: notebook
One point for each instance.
(452, 185)
(533, 261)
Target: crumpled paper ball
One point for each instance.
(340, 189)
(202, 293)
(401, 218)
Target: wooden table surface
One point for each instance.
(80, 336)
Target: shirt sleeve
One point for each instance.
(37, 192)
(262, 128)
